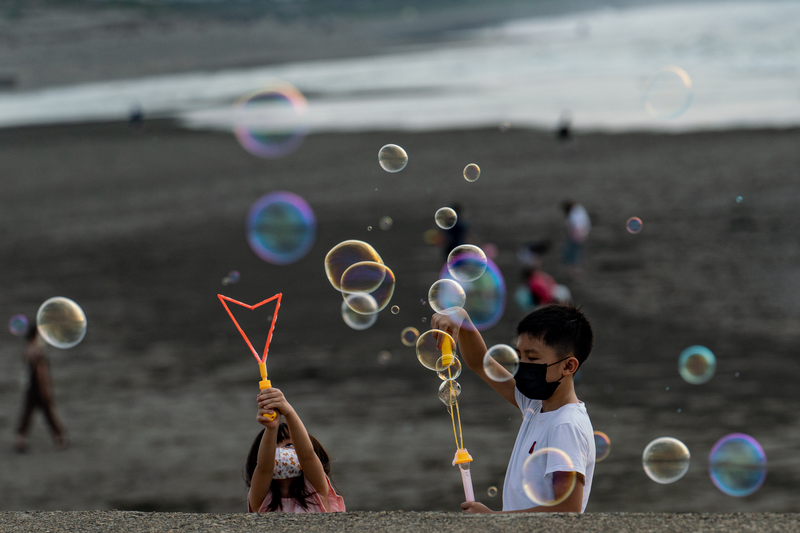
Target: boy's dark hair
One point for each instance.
(297, 490)
(563, 328)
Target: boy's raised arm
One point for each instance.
(472, 349)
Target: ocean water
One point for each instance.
(743, 59)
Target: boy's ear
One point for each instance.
(572, 365)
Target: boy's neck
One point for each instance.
(564, 394)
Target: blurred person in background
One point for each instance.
(578, 227)
(540, 288)
(38, 394)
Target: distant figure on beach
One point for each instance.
(552, 342)
(287, 469)
(38, 394)
(457, 235)
(578, 227)
(540, 288)
(564, 131)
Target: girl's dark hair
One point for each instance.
(297, 490)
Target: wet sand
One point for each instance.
(140, 228)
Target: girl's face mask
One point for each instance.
(286, 464)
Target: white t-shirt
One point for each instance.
(569, 429)
(578, 223)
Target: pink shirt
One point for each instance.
(289, 505)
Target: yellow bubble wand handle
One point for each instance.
(266, 384)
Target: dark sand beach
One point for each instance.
(140, 228)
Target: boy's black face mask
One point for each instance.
(532, 381)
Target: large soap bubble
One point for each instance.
(666, 460)
(737, 465)
(501, 362)
(466, 262)
(281, 228)
(270, 123)
(668, 93)
(18, 325)
(485, 297)
(392, 158)
(61, 322)
(697, 364)
(537, 476)
(344, 255)
(359, 321)
(446, 217)
(602, 446)
(446, 296)
(449, 392)
(429, 352)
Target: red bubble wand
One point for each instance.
(262, 361)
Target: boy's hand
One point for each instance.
(475, 507)
(273, 400)
(451, 324)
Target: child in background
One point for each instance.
(552, 342)
(287, 469)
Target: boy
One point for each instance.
(553, 341)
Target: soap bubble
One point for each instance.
(430, 355)
(485, 297)
(281, 228)
(424, 320)
(466, 262)
(668, 93)
(234, 276)
(492, 492)
(501, 362)
(450, 367)
(737, 465)
(226, 281)
(446, 218)
(449, 392)
(361, 303)
(602, 446)
(697, 364)
(395, 309)
(634, 225)
(537, 476)
(18, 325)
(446, 296)
(369, 228)
(365, 276)
(392, 158)
(384, 357)
(666, 460)
(61, 322)
(359, 321)
(472, 172)
(270, 123)
(344, 255)
(739, 199)
(409, 336)
(385, 223)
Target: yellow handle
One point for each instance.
(265, 384)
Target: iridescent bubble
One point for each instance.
(449, 392)
(634, 225)
(382, 294)
(737, 464)
(491, 492)
(697, 364)
(537, 476)
(359, 321)
(666, 460)
(424, 320)
(365, 276)
(409, 336)
(384, 357)
(446, 296)
(739, 199)
(369, 228)
(361, 303)
(61, 322)
(501, 362)
(392, 158)
(270, 123)
(395, 309)
(668, 93)
(451, 370)
(602, 445)
(466, 262)
(472, 172)
(436, 349)
(281, 228)
(344, 255)
(226, 281)
(446, 218)
(18, 325)
(486, 296)
(385, 223)
(234, 276)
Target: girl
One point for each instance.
(287, 469)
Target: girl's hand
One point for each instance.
(268, 423)
(273, 400)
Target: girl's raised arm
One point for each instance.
(265, 465)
